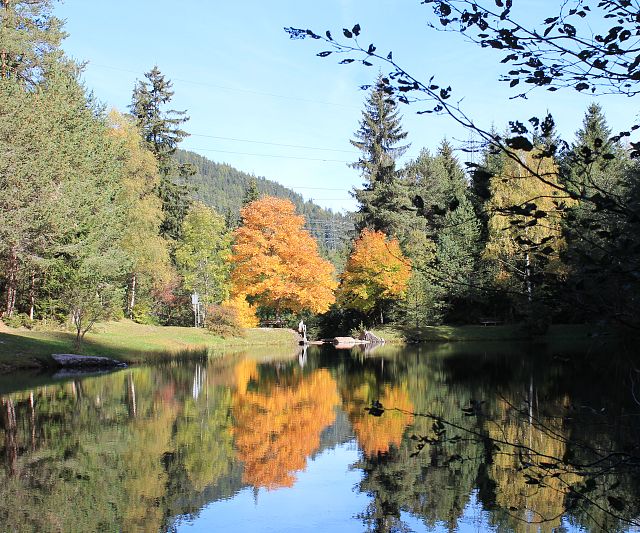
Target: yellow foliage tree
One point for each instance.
(277, 429)
(526, 219)
(243, 310)
(147, 250)
(376, 273)
(276, 262)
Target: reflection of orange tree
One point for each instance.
(376, 434)
(276, 429)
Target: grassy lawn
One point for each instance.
(126, 341)
(479, 333)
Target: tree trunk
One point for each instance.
(32, 419)
(131, 397)
(32, 296)
(12, 282)
(132, 296)
(527, 276)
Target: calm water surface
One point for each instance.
(452, 438)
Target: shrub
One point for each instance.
(223, 320)
(18, 320)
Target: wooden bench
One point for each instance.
(272, 323)
(489, 321)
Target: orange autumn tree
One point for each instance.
(276, 262)
(376, 273)
(276, 428)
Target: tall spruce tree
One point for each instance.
(30, 39)
(161, 129)
(251, 192)
(596, 167)
(384, 195)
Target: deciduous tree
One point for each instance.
(276, 261)
(376, 274)
(202, 254)
(148, 251)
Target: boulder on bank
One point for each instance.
(371, 338)
(70, 360)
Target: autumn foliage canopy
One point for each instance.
(276, 262)
(376, 271)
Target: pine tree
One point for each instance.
(162, 131)
(384, 196)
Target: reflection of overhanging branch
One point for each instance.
(581, 482)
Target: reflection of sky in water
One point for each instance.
(322, 499)
(143, 448)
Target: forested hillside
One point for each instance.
(223, 187)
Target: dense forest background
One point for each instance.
(224, 188)
(102, 216)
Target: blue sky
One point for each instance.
(245, 84)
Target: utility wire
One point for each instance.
(271, 143)
(233, 89)
(270, 155)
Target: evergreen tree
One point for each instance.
(383, 198)
(30, 39)
(446, 257)
(162, 131)
(596, 167)
(251, 192)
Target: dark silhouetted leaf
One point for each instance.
(616, 503)
(519, 143)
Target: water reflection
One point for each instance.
(506, 439)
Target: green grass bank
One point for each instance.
(126, 341)
(510, 332)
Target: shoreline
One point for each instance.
(134, 344)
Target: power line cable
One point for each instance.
(270, 155)
(233, 89)
(271, 143)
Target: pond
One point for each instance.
(485, 437)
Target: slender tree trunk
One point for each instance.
(132, 296)
(527, 276)
(32, 295)
(12, 282)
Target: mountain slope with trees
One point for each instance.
(224, 188)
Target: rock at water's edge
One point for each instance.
(370, 337)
